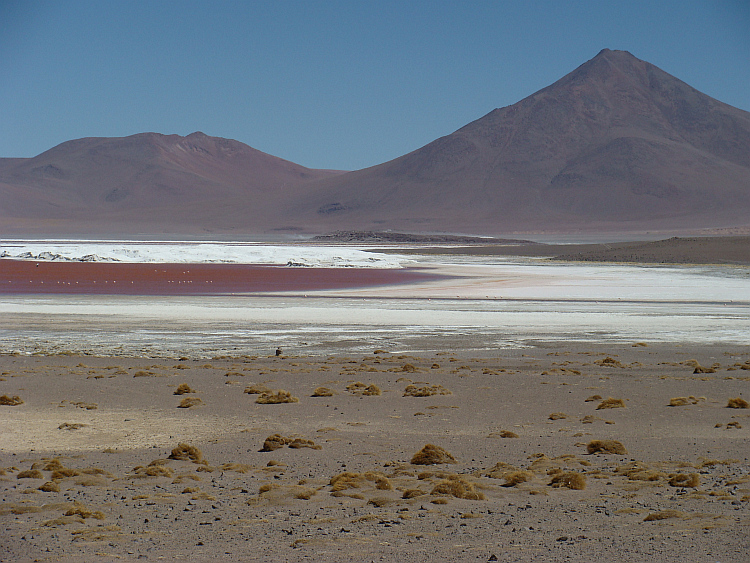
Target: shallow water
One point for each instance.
(494, 305)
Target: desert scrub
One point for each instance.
(570, 480)
(606, 446)
(322, 392)
(737, 403)
(186, 452)
(13, 401)
(183, 389)
(30, 474)
(683, 401)
(189, 402)
(458, 487)
(360, 388)
(276, 398)
(257, 389)
(431, 455)
(682, 480)
(426, 391)
(611, 403)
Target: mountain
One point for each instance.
(148, 183)
(616, 145)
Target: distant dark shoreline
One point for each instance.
(730, 250)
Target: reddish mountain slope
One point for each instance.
(148, 183)
(617, 144)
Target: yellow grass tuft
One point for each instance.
(609, 362)
(83, 512)
(682, 480)
(663, 515)
(153, 471)
(514, 478)
(186, 452)
(427, 391)
(276, 398)
(502, 434)
(606, 446)
(303, 443)
(558, 416)
(360, 388)
(431, 455)
(412, 493)
(30, 474)
(188, 402)
(611, 403)
(257, 389)
(593, 398)
(277, 441)
(458, 487)
(683, 401)
(322, 392)
(13, 401)
(64, 472)
(183, 389)
(737, 403)
(346, 480)
(50, 487)
(571, 480)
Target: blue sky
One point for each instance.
(329, 83)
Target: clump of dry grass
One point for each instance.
(71, 426)
(360, 388)
(737, 403)
(30, 474)
(503, 434)
(186, 452)
(83, 512)
(188, 402)
(183, 389)
(570, 480)
(13, 401)
(458, 487)
(346, 480)
(606, 446)
(303, 443)
(153, 471)
(683, 401)
(63, 473)
(638, 471)
(691, 480)
(257, 389)
(611, 403)
(431, 455)
(558, 416)
(426, 391)
(514, 478)
(609, 362)
(50, 487)
(734, 424)
(593, 398)
(323, 392)
(663, 515)
(276, 398)
(413, 493)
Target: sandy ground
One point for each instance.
(87, 475)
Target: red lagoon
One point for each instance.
(118, 278)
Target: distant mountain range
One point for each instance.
(617, 145)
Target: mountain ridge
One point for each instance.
(615, 145)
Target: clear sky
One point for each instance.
(330, 83)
